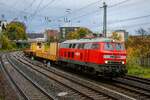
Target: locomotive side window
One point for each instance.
(108, 46)
(64, 45)
(73, 45)
(76, 46)
(70, 45)
(61, 45)
(119, 46)
(95, 46)
(81, 46)
(87, 45)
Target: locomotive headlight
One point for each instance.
(122, 62)
(106, 62)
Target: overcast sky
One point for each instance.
(39, 15)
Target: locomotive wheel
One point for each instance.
(97, 73)
(83, 69)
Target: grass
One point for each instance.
(139, 71)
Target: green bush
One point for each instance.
(5, 42)
(139, 71)
(135, 69)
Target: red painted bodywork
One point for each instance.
(91, 55)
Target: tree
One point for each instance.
(80, 33)
(5, 42)
(73, 35)
(16, 31)
(137, 48)
(142, 32)
(148, 33)
(116, 36)
(83, 32)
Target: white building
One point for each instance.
(37, 37)
(3, 24)
(122, 33)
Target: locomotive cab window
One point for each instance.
(119, 46)
(108, 46)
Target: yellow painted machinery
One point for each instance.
(34, 47)
(50, 54)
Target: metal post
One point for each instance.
(105, 19)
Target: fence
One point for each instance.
(144, 62)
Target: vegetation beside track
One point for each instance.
(138, 56)
(139, 71)
(14, 31)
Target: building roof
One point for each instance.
(35, 35)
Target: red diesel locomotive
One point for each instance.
(102, 56)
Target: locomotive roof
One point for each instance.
(88, 40)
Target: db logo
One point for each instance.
(77, 54)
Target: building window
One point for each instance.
(75, 29)
(63, 29)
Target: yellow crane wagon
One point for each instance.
(50, 54)
(39, 50)
(34, 47)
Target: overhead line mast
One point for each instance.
(105, 19)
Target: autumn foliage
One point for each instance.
(138, 47)
(80, 33)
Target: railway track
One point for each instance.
(142, 80)
(135, 87)
(84, 92)
(20, 93)
(96, 87)
(27, 89)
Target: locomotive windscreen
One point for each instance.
(114, 46)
